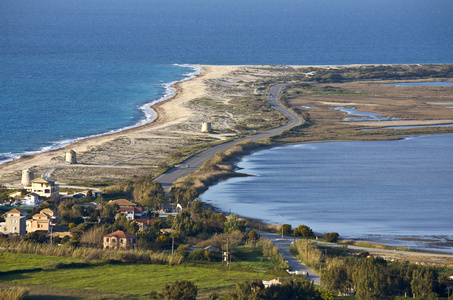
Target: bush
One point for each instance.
(204, 255)
(304, 231)
(253, 235)
(13, 293)
(53, 265)
(286, 229)
(331, 237)
(181, 290)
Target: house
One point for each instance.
(123, 203)
(15, 222)
(31, 200)
(44, 186)
(119, 240)
(54, 216)
(144, 224)
(131, 213)
(45, 220)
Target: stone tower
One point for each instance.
(206, 127)
(71, 157)
(27, 176)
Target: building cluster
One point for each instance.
(18, 223)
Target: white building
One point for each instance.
(44, 186)
(30, 200)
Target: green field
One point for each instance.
(79, 280)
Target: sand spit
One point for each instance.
(137, 151)
(213, 96)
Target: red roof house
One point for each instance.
(119, 240)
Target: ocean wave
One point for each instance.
(145, 108)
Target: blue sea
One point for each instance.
(76, 68)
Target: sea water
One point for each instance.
(75, 68)
(387, 191)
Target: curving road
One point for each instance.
(193, 163)
(295, 265)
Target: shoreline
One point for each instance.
(168, 111)
(171, 114)
(149, 116)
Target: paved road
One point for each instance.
(193, 163)
(293, 262)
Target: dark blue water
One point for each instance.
(74, 68)
(358, 189)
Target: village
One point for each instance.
(36, 211)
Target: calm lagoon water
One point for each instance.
(384, 191)
(421, 84)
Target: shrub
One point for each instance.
(304, 231)
(181, 290)
(286, 229)
(331, 237)
(53, 265)
(13, 293)
(252, 235)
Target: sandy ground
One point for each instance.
(138, 151)
(171, 112)
(212, 96)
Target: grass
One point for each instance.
(21, 261)
(253, 258)
(131, 279)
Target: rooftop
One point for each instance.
(121, 234)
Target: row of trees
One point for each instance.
(373, 278)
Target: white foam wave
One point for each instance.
(146, 109)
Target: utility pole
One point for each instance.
(259, 227)
(228, 257)
(172, 245)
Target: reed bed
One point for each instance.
(310, 254)
(89, 254)
(13, 293)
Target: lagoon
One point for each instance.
(437, 83)
(385, 191)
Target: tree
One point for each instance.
(331, 237)
(183, 290)
(233, 223)
(197, 207)
(304, 231)
(123, 224)
(108, 213)
(184, 225)
(422, 282)
(36, 237)
(93, 236)
(146, 191)
(286, 229)
(253, 235)
(182, 195)
(370, 279)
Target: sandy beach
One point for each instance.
(137, 151)
(169, 113)
(212, 96)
